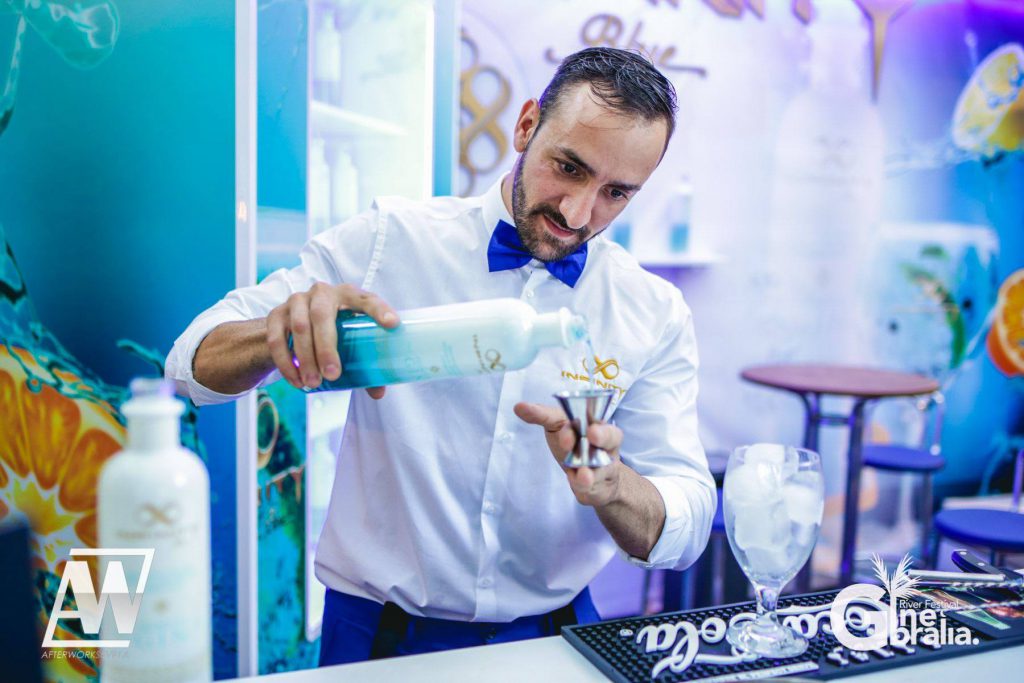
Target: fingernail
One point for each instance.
(331, 370)
(389, 317)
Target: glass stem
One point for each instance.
(767, 600)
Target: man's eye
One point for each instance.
(568, 169)
(618, 195)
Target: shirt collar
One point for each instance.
(494, 210)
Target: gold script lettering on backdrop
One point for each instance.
(802, 9)
(880, 14)
(608, 30)
(483, 117)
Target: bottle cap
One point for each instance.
(142, 387)
(151, 397)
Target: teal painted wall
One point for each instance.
(116, 196)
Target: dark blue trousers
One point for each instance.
(356, 629)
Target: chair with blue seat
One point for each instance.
(924, 460)
(718, 549)
(998, 531)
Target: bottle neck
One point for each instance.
(151, 433)
(560, 328)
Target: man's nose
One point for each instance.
(577, 207)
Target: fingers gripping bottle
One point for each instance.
(154, 531)
(454, 340)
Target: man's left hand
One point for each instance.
(596, 487)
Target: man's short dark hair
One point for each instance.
(623, 80)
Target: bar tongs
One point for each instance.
(975, 572)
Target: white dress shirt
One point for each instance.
(445, 502)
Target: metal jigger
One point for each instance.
(584, 408)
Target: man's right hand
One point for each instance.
(310, 318)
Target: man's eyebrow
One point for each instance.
(574, 158)
(585, 167)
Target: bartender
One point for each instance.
(451, 521)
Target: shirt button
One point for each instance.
(490, 508)
(486, 583)
(505, 437)
(529, 294)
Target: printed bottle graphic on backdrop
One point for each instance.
(826, 196)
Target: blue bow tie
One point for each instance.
(506, 251)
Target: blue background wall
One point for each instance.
(116, 194)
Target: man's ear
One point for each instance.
(526, 125)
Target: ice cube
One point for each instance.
(741, 484)
(770, 453)
(787, 470)
(751, 483)
(784, 459)
(804, 504)
(791, 464)
(761, 525)
(804, 535)
(808, 478)
(774, 561)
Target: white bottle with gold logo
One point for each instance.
(452, 340)
(155, 496)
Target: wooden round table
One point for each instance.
(811, 383)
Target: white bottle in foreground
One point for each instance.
(155, 495)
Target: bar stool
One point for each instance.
(923, 460)
(812, 383)
(1001, 531)
(718, 543)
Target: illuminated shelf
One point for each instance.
(686, 259)
(326, 119)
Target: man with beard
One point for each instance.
(450, 524)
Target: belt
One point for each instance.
(394, 624)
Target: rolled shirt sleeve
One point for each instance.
(341, 254)
(658, 417)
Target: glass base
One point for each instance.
(766, 637)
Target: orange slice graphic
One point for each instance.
(1005, 342)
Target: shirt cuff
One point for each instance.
(179, 361)
(679, 543)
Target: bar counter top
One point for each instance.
(553, 659)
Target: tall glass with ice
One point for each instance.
(773, 500)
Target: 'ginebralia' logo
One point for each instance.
(890, 625)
